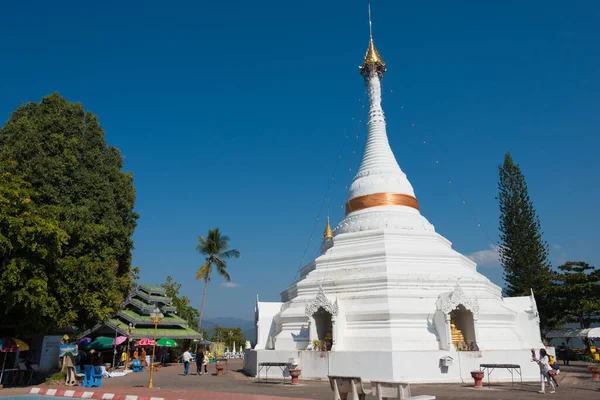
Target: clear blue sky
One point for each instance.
(232, 114)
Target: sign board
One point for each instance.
(67, 350)
(49, 355)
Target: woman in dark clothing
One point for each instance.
(199, 362)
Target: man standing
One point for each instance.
(187, 357)
(564, 353)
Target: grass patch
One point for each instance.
(57, 377)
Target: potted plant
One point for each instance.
(316, 344)
(295, 373)
(478, 378)
(595, 370)
(220, 368)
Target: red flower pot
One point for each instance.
(478, 377)
(220, 368)
(595, 372)
(295, 373)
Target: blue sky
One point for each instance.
(235, 115)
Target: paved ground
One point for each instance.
(575, 384)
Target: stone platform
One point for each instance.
(411, 366)
(575, 384)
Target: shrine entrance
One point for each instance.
(323, 324)
(322, 320)
(462, 328)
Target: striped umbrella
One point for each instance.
(11, 345)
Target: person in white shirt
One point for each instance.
(187, 358)
(544, 364)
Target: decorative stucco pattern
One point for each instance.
(321, 301)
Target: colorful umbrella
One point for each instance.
(145, 342)
(100, 343)
(166, 342)
(84, 341)
(119, 340)
(21, 344)
(11, 345)
(8, 345)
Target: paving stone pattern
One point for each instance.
(575, 384)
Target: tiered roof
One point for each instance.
(137, 309)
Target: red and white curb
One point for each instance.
(90, 395)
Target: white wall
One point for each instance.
(266, 324)
(411, 366)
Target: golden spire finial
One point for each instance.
(373, 61)
(328, 233)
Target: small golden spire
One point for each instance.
(373, 61)
(328, 234)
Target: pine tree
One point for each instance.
(577, 293)
(523, 252)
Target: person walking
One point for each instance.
(544, 365)
(187, 357)
(199, 362)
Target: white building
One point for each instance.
(389, 296)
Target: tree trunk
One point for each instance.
(203, 300)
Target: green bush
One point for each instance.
(59, 376)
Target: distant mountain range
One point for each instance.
(226, 322)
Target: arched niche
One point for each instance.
(462, 323)
(458, 306)
(322, 318)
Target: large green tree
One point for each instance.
(229, 336)
(215, 248)
(76, 180)
(577, 293)
(29, 239)
(181, 303)
(523, 251)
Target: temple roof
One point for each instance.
(136, 310)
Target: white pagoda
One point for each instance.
(388, 298)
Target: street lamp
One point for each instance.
(130, 330)
(155, 316)
(115, 345)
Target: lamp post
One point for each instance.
(155, 316)
(115, 346)
(130, 330)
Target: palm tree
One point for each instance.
(216, 249)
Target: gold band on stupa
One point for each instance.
(379, 200)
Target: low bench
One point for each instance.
(343, 386)
(512, 368)
(267, 365)
(385, 390)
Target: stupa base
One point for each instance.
(411, 366)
